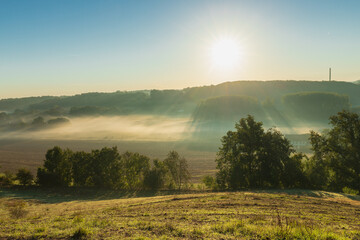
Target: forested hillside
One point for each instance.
(276, 103)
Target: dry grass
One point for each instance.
(228, 215)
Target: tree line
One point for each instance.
(315, 106)
(107, 168)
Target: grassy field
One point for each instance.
(292, 214)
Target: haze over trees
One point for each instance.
(218, 114)
(315, 106)
(227, 108)
(275, 103)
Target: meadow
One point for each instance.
(271, 214)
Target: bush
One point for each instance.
(17, 209)
(209, 182)
(350, 191)
(80, 233)
(47, 179)
(7, 179)
(24, 176)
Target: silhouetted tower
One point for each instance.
(329, 74)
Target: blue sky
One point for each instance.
(65, 47)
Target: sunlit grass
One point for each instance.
(231, 215)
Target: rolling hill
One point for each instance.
(291, 214)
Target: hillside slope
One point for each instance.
(151, 100)
(226, 215)
(276, 89)
(293, 106)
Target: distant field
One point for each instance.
(292, 214)
(17, 153)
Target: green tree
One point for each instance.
(250, 157)
(337, 153)
(57, 170)
(105, 168)
(24, 176)
(178, 169)
(156, 177)
(133, 169)
(317, 167)
(81, 168)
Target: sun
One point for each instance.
(225, 53)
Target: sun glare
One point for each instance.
(225, 53)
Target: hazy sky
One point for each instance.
(65, 46)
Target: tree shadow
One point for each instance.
(59, 195)
(312, 193)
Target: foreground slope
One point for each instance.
(224, 215)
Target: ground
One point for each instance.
(290, 214)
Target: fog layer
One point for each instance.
(152, 128)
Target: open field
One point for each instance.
(30, 153)
(292, 214)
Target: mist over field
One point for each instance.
(201, 114)
(137, 128)
(191, 121)
(131, 128)
(153, 122)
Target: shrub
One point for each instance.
(80, 233)
(17, 209)
(350, 191)
(209, 181)
(24, 176)
(7, 179)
